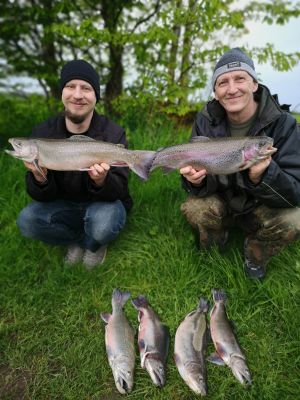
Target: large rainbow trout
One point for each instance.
(79, 153)
(218, 156)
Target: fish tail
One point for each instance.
(203, 305)
(119, 299)
(219, 295)
(143, 164)
(140, 302)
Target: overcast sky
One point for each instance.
(285, 38)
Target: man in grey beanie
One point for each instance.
(81, 210)
(262, 200)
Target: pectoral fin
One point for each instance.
(215, 359)
(36, 164)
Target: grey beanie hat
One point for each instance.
(234, 60)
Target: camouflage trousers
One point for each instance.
(267, 230)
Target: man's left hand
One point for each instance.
(98, 173)
(257, 170)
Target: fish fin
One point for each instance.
(82, 137)
(199, 139)
(203, 305)
(119, 298)
(140, 316)
(219, 295)
(140, 302)
(36, 164)
(167, 170)
(215, 359)
(220, 350)
(143, 164)
(105, 317)
(119, 164)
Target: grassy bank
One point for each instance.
(51, 335)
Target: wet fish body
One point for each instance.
(119, 342)
(190, 346)
(153, 341)
(218, 156)
(227, 348)
(79, 152)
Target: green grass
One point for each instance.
(51, 335)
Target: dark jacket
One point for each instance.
(77, 186)
(280, 185)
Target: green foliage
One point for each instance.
(165, 48)
(20, 114)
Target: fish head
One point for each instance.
(24, 149)
(240, 370)
(197, 383)
(156, 370)
(258, 148)
(123, 376)
(195, 378)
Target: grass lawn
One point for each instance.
(51, 334)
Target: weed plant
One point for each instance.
(51, 335)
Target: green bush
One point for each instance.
(19, 114)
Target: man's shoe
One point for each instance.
(254, 271)
(74, 254)
(91, 259)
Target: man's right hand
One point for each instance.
(37, 175)
(192, 175)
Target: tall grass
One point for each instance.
(51, 336)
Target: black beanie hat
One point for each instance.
(80, 69)
(234, 60)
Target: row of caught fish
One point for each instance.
(78, 153)
(191, 341)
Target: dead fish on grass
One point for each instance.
(218, 156)
(153, 340)
(119, 342)
(190, 346)
(227, 348)
(79, 153)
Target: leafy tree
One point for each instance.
(161, 49)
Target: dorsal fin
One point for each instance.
(89, 139)
(81, 137)
(199, 139)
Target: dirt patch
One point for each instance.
(13, 383)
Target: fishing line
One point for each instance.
(279, 195)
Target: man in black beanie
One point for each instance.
(263, 199)
(81, 210)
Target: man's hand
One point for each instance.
(98, 173)
(192, 175)
(36, 173)
(257, 170)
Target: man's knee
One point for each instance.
(207, 211)
(28, 220)
(278, 224)
(105, 222)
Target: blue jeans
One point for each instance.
(61, 222)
